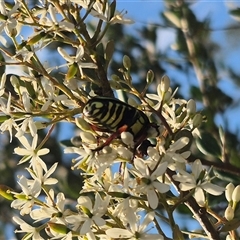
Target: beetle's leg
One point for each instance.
(138, 142)
(112, 137)
(141, 150)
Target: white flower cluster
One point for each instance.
(119, 187)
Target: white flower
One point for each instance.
(51, 209)
(175, 159)
(30, 152)
(9, 123)
(125, 210)
(84, 158)
(6, 107)
(104, 159)
(30, 190)
(83, 3)
(10, 25)
(148, 181)
(25, 125)
(102, 11)
(52, 98)
(55, 22)
(25, 53)
(198, 180)
(37, 173)
(77, 58)
(26, 102)
(63, 24)
(32, 232)
(92, 213)
(136, 229)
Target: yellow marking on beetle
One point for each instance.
(116, 119)
(105, 118)
(137, 126)
(98, 105)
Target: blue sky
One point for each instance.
(147, 12)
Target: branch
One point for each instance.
(225, 167)
(200, 213)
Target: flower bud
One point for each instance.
(126, 62)
(124, 153)
(197, 120)
(229, 213)
(59, 228)
(115, 77)
(14, 81)
(87, 137)
(236, 194)
(115, 85)
(127, 138)
(191, 107)
(153, 153)
(165, 84)
(83, 125)
(229, 191)
(150, 76)
(76, 141)
(6, 192)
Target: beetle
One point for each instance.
(111, 115)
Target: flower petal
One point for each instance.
(152, 199)
(118, 233)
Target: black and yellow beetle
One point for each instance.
(111, 115)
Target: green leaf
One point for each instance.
(30, 89)
(59, 228)
(66, 143)
(112, 10)
(6, 192)
(72, 71)
(227, 177)
(207, 144)
(235, 12)
(109, 52)
(36, 38)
